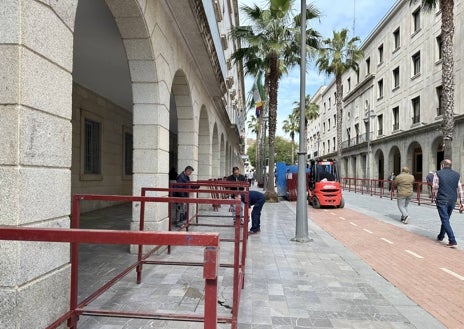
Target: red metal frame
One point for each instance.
(75, 235)
(380, 187)
(227, 188)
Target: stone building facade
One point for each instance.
(104, 96)
(392, 109)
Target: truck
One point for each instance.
(324, 187)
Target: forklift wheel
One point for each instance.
(342, 203)
(316, 203)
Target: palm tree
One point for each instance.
(447, 71)
(292, 126)
(253, 126)
(271, 43)
(337, 56)
(311, 110)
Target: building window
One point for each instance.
(323, 128)
(335, 120)
(396, 118)
(439, 47)
(368, 66)
(349, 84)
(330, 102)
(380, 49)
(90, 146)
(416, 110)
(396, 78)
(128, 144)
(380, 124)
(357, 76)
(328, 145)
(416, 63)
(380, 88)
(396, 38)
(328, 125)
(416, 20)
(439, 91)
(333, 143)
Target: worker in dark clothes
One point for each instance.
(257, 200)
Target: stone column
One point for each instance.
(36, 43)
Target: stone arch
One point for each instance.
(415, 161)
(222, 157)
(379, 166)
(204, 146)
(187, 149)
(216, 155)
(438, 153)
(394, 160)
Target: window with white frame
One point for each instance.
(396, 39)
(415, 102)
(416, 20)
(396, 77)
(416, 67)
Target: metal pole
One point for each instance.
(368, 139)
(301, 209)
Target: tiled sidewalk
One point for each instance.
(318, 284)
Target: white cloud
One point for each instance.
(336, 14)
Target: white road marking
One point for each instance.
(354, 224)
(413, 253)
(386, 240)
(332, 213)
(365, 229)
(343, 218)
(452, 273)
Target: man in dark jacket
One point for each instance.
(257, 200)
(181, 208)
(236, 177)
(446, 183)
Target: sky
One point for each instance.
(363, 15)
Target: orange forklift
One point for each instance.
(324, 185)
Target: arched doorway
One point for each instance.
(394, 159)
(204, 146)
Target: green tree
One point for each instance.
(337, 56)
(291, 126)
(311, 111)
(282, 151)
(253, 126)
(447, 68)
(271, 43)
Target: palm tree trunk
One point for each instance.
(447, 32)
(271, 194)
(293, 149)
(259, 152)
(339, 106)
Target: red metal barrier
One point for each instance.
(226, 188)
(76, 236)
(381, 187)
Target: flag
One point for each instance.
(258, 102)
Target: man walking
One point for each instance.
(404, 183)
(446, 183)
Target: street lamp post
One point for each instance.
(367, 120)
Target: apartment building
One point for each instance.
(392, 107)
(104, 97)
